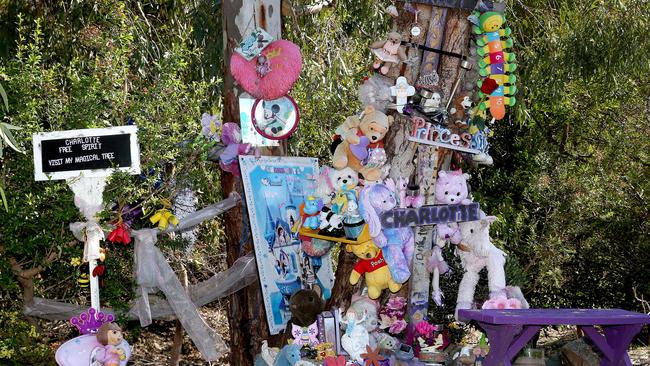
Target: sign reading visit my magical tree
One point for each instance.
(85, 158)
(91, 152)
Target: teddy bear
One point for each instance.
(388, 52)
(331, 181)
(371, 263)
(451, 188)
(397, 244)
(360, 137)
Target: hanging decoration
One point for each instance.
(275, 119)
(271, 74)
(496, 66)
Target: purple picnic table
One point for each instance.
(509, 330)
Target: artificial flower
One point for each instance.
(210, 126)
(163, 218)
(425, 329)
(396, 303)
(75, 261)
(397, 327)
(120, 234)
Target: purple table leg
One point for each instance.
(500, 337)
(523, 338)
(614, 343)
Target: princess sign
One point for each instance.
(94, 152)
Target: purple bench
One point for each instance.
(509, 330)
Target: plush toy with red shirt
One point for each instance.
(371, 264)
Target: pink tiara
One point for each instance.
(89, 321)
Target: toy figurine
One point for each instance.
(110, 336)
(310, 211)
(388, 52)
(356, 337)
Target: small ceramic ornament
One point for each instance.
(356, 338)
(305, 336)
(402, 91)
(254, 43)
(100, 343)
(388, 52)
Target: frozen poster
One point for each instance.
(275, 187)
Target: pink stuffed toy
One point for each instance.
(270, 75)
(451, 188)
(228, 158)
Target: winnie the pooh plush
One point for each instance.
(372, 264)
(359, 136)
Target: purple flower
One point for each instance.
(397, 327)
(396, 303)
(210, 126)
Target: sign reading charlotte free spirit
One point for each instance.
(429, 215)
(93, 152)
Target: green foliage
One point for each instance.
(571, 174)
(20, 343)
(336, 57)
(99, 64)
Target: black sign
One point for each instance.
(463, 4)
(86, 153)
(429, 215)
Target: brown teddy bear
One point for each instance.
(358, 136)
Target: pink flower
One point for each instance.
(514, 304)
(502, 302)
(396, 303)
(397, 327)
(425, 329)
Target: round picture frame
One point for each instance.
(275, 119)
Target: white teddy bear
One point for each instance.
(333, 180)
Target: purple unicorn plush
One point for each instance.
(397, 245)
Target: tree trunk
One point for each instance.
(247, 318)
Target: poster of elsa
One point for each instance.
(275, 187)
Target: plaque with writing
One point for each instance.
(90, 152)
(463, 4)
(430, 215)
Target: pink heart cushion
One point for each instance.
(286, 62)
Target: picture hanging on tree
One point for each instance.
(275, 189)
(276, 119)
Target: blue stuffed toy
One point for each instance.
(311, 211)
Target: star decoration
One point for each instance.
(372, 357)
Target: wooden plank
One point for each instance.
(464, 4)
(435, 35)
(403, 25)
(456, 39)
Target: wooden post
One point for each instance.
(246, 318)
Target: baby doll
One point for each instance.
(110, 335)
(388, 52)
